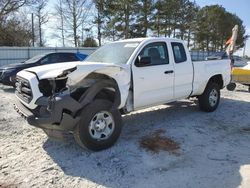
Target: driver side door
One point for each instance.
(153, 83)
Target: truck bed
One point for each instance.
(203, 70)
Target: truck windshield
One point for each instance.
(117, 53)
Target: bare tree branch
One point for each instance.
(8, 6)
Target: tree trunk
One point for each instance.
(169, 31)
(74, 23)
(221, 45)
(166, 28)
(188, 39)
(63, 38)
(146, 6)
(40, 30)
(127, 20)
(62, 24)
(158, 26)
(99, 27)
(207, 45)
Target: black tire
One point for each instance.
(83, 130)
(204, 99)
(248, 88)
(231, 86)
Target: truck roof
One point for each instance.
(150, 39)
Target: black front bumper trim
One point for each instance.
(57, 119)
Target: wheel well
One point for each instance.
(217, 79)
(101, 87)
(106, 93)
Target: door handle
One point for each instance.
(169, 72)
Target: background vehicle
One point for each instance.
(237, 60)
(240, 75)
(86, 98)
(8, 72)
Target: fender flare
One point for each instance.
(89, 95)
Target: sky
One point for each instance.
(240, 7)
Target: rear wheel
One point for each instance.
(100, 126)
(231, 87)
(210, 98)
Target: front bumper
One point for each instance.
(62, 111)
(60, 116)
(8, 81)
(7, 78)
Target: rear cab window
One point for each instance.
(179, 52)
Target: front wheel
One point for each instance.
(100, 126)
(210, 99)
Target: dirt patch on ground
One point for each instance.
(7, 186)
(157, 142)
(246, 129)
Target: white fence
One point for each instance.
(18, 54)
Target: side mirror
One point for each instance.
(143, 61)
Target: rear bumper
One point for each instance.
(54, 119)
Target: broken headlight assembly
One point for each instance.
(49, 87)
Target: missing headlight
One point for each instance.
(49, 87)
(45, 87)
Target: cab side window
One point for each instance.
(156, 52)
(68, 57)
(54, 58)
(51, 58)
(45, 60)
(179, 52)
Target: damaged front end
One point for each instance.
(60, 106)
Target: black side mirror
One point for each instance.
(143, 61)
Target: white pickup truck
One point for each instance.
(87, 98)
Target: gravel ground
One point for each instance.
(213, 149)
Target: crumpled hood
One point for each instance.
(51, 71)
(83, 69)
(120, 72)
